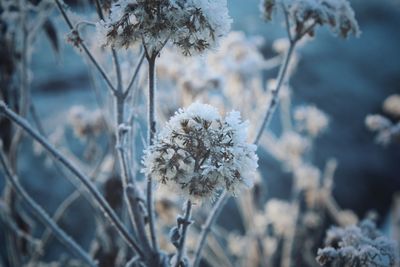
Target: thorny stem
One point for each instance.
(41, 215)
(206, 228)
(185, 225)
(85, 48)
(110, 214)
(151, 134)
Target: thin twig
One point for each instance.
(82, 177)
(41, 215)
(135, 74)
(207, 226)
(185, 225)
(85, 48)
(275, 93)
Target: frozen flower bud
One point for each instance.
(199, 153)
(280, 215)
(392, 105)
(377, 122)
(307, 177)
(337, 14)
(311, 119)
(362, 243)
(85, 122)
(192, 25)
(267, 7)
(292, 147)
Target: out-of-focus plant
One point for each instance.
(197, 158)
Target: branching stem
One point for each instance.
(99, 199)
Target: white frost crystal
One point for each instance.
(198, 153)
(193, 25)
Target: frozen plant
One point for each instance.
(337, 14)
(354, 246)
(199, 153)
(387, 130)
(311, 120)
(193, 25)
(391, 105)
(84, 122)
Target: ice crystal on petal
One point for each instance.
(199, 153)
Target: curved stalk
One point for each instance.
(42, 216)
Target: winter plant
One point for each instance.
(174, 70)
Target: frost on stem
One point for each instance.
(199, 153)
(192, 25)
(337, 14)
(354, 246)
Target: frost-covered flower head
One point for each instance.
(293, 146)
(198, 153)
(392, 105)
(311, 119)
(193, 25)
(307, 177)
(377, 122)
(280, 215)
(85, 122)
(337, 14)
(361, 245)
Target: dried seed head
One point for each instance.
(336, 14)
(199, 153)
(192, 25)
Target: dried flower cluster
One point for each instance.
(199, 153)
(337, 14)
(192, 25)
(355, 246)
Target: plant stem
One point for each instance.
(185, 225)
(275, 93)
(42, 216)
(206, 228)
(135, 74)
(151, 134)
(128, 182)
(110, 214)
(24, 94)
